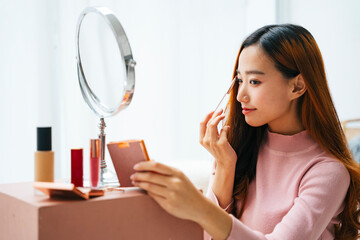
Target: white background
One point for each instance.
(185, 53)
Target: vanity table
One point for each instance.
(129, 214)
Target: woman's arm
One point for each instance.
(214, 220)
(175, 193)
(222, 182)
(321, 194)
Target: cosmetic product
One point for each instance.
(223, 104)
(77, 167)
(44, 157)
(94, 162)
(125, 155)
(227, 93)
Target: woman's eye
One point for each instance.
(254, 82)
(239, 80)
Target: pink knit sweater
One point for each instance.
(297, 193)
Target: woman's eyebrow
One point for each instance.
(251, 72)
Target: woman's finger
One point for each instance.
(223, 135)
(203, 125)
(212, 129)
(150, 177)
(224, 132)
(154, 166)
(216, 114)
(159, 199)
(159, 191)
(156, 197)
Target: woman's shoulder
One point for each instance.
(326, 169)
(322, 158)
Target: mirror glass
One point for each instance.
(102, 62)
(106, 68)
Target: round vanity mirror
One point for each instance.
(104, 61)
(106, 71)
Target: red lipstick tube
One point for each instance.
(77, 167)
(94, 162)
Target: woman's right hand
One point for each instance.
(216, 143)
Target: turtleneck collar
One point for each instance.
(298, 142)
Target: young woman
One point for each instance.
(282, 168)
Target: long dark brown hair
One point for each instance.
(294, 50)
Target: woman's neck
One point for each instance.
(289, 124)
(287, 130)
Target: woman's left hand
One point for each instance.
(170, 188)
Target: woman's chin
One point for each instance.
(253, 123)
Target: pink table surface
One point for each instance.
(117, 215)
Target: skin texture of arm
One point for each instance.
(222, 185)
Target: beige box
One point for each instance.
(117, 215)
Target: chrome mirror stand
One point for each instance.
(107, 177)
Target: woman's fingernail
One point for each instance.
(132, 176)
(136, 166)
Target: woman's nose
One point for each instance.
(242, 96)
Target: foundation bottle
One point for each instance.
(44, 157)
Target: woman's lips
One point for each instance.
(248, 110)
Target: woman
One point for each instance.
(282, 168)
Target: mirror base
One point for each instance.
(108, 178)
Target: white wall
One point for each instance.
(336, 28)
(185, 52)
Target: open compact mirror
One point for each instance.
(106, 72)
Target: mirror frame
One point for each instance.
(129, 84)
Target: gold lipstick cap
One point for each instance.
(94, 148)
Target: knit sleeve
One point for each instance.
(322, 191)
(211, 195)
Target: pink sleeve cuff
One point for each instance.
(238, 229)
(211, 195)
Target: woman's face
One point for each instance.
(265, 95)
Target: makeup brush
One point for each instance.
(228, 92)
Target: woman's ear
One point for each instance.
(298, 86)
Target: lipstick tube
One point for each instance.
(77, 167)
(94, 162)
